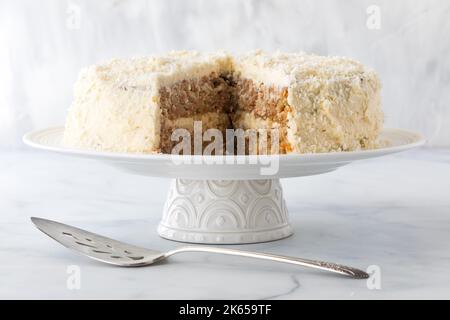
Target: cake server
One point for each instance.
(125, 255)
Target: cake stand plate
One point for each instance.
(226, 199)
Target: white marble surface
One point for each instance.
(43, 45)
(393, 212)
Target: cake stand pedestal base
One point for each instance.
(225, 211)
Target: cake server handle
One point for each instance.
(316, 264)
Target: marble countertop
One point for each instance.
(391, 213)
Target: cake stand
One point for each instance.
(226, 199)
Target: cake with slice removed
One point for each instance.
(317, 104)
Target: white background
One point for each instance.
(43, 44)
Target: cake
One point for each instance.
(314, 103)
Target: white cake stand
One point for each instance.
(226, 199)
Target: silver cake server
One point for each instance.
(125, 255)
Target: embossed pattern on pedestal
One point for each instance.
(225, 211)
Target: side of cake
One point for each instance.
(317, 104)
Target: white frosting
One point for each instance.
(284, 69)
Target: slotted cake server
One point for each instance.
(125, 255)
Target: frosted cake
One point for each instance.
(318, 104)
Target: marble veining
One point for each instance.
(391, 213)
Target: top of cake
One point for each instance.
(284, 69)
(270, 68)
(157, 69)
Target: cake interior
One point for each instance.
(226, 101)
(262, 107)
(207, 99)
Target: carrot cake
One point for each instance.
(317, 103)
